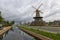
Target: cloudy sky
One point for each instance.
(21, 10)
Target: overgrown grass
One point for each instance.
(47, 34)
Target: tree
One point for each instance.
(7, 23)
(1, 18)
(11, 23)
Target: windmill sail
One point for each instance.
(40, 6)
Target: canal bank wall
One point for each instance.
(36, 36)
(5, 29)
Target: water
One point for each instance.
(17, 34)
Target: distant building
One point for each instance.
(54, 23)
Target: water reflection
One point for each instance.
(1, 37)
(16, 34)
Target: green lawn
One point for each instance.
(47, 34)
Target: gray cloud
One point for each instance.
(19, 10)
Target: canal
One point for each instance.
(17, 34)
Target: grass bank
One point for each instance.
(47, 34)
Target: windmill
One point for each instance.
(37, 19)
(37, 10)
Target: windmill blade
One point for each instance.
(40, 6)
(50, 14)
(33, 7)
(33, 13)
(40, 11)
